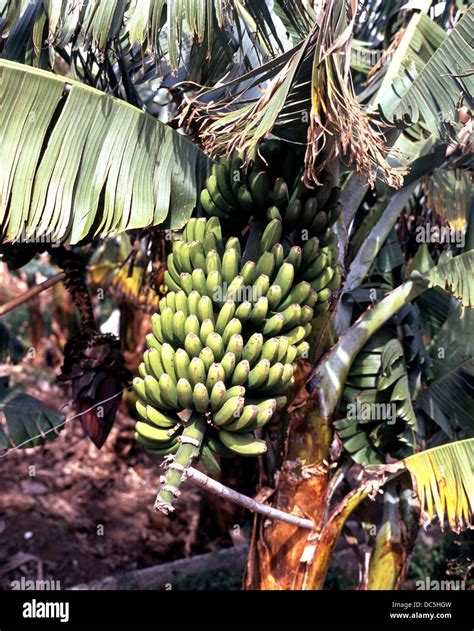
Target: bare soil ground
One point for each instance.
(71, 513)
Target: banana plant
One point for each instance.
(283, 178)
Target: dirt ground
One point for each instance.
(71, 513)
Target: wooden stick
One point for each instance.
(203, 481)
(31, 293)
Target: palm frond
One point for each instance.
(449, 194)
(433, 94)
(151, 25)
(444, 480)
(310, 93)
(455, 275)
(78, 164)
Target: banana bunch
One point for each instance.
(270, 189)
(222, 351)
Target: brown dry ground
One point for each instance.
(71, 513)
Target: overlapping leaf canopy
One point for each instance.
(154, 25)
(79, 164)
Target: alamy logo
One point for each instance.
(428, 584)
(443, 234)
(361, 411)
(39, 609)
(29, 585)
(35, 237)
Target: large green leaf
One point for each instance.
(79, 164)
(153, 25)
(449, 400)
(444, 480)
(432, 94)
(455, 275)
(25, 421)
(449, 194)
(379, 415)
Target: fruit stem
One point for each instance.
(178, 464)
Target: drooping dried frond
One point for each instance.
(308, 98)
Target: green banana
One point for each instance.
(283, 344)
(167, 359)
(153, 434)
(207, 357)
(281, 194)
(213, 262)
(249, 272)
(185, 394)
(186, 282)
(198, 278)
(323, 280)
(259, 374)
(294, 257)
(192, 325)
(284, 278)
(246, 418)
(273, 296)
(244, 198)
(270, 349)
(228, 364)
(231, 410)
(215, 343)
(319, 223)
(193, 345)
(181, 363)
(253, 348)
(293, 213)
(273, 325)
(259, 186)
(244, 311)
(243, 444)
(170, 283)
(168, 390)
(298, 295)
(259, 312)
(205, 309)
(230, 265)
(206, 329)
(316, 268)
(226, 313)
(198, 260)
(215, 373)
(271, 235)
(274, 213)
(235, 346)
(241, 373)
(218, 396)
(201, 398)
(234, 327)
(279, 254)
(260, 287)
(292, 316)
(156, 327)
(159, 419)
(197, 371)
(265, 265)
(142, 371)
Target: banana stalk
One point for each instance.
(191, 441)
